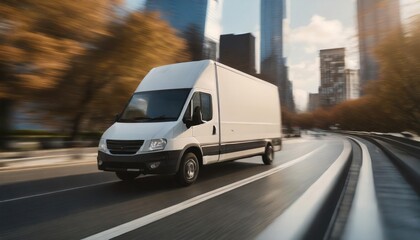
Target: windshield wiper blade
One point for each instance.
(142, 118)
(147, 119)
(162, 118)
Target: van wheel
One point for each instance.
(188, 169)
(127, 176)
(268, 156)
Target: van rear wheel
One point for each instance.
(268, 156)
(127, 176)
(188, 170)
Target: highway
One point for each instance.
(330, 186)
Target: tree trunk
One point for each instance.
(6, 106)
(77, 120)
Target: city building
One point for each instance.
(376, 20)
(332, 68)
(337, 83)
(198, 21)
(288, 100)
(273, 65)
(313, 102)
(352, 85)
(238, 51)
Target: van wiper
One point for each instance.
(142, 118)
(148, 119)
(163, 117)
(136, 119)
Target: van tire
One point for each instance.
(188, 169)
(127, 176)
(268, 156)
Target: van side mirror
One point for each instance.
(197, 118)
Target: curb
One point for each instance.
(310, 215)
(364, 220)
(42, 154)
(42, 161)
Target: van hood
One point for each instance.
(139, 131)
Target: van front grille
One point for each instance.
(124, 146)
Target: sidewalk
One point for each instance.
(10, 160)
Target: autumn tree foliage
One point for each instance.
(77, 62)
(102, 81)
(398, 88)
(39, 41)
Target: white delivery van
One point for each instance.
(186, 115)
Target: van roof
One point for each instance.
(174, 76)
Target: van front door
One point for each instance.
(207, 133)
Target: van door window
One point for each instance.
(206, 107)
(202, 100)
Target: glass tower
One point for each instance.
(376, 19)
(273, 64)
(204, 16)
(272, 14)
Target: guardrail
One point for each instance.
(409, 165)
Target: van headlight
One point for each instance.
(102, 146)
(157, 144)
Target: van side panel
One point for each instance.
(249, 113)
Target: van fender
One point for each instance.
(198, 151)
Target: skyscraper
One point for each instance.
(352, 84)
(238, 51)
(332, 66)
(376, 19)
(273, 67)
(272, 64)
(193, 17)
(313, 102)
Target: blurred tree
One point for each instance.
(398, 88)
(305, 120)
(102, 81)
(288, 118)
(39, 41)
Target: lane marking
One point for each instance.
(153, 217)
(295, 221)
(364, 221)
(58, 191)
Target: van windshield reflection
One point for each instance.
(155, 106)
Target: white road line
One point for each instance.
(142, 221)
(364, 220)
(294, 222)
(58, 191)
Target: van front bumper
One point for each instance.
(167, 161)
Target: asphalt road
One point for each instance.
(77, 201)
(235, 200)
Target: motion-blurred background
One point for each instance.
(68, 67)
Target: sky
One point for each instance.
(309, 26)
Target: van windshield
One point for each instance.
(155, 106)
